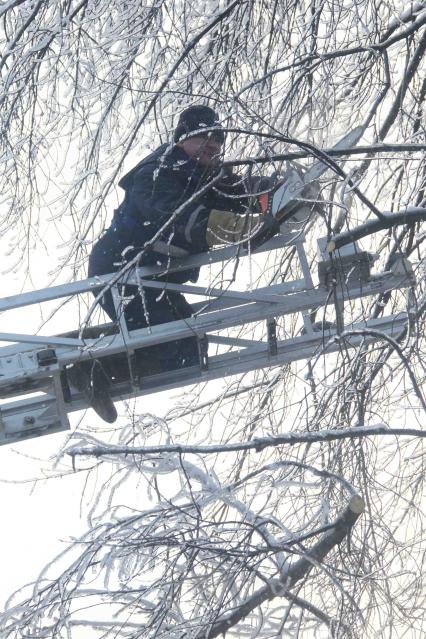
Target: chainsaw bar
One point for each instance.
(290, 189)
(294, 183)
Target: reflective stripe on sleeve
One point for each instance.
(191, 222)
(164, 248)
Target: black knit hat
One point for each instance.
(198, 117)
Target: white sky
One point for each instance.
(40, 517)
(37, 518)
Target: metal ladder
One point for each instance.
(36, 397)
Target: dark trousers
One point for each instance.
(156, 307)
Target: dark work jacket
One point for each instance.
(154, 189)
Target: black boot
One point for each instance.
(90, 379)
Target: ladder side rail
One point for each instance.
(237, 342)
(307, 346)
(258, 357)
(274, 291)
(244, 296)
(212, 321)
(98, 282)
(51, 340)
(15, 424)
(239, 296)
(285, 288)
(218, 320)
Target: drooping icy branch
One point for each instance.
(257, 444)
(295, 572)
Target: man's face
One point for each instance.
(204, 149)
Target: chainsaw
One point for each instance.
(279, 205)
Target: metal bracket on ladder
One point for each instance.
(32, 374)
(349, 266)
(203, 346)
(271, 326)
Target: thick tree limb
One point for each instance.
(294, 573)
(408, 216)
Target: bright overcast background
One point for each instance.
(320, 537)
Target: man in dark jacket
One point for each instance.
(178, 201)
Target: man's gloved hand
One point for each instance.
(283, 213)
(272, 208)
(226, 227)
(287, 199)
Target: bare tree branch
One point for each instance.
(410, 215)
(296, 572)
(258, 444)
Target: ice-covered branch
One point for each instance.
(295, 572)
(257, 444)
(333, 153)
(408, 216)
